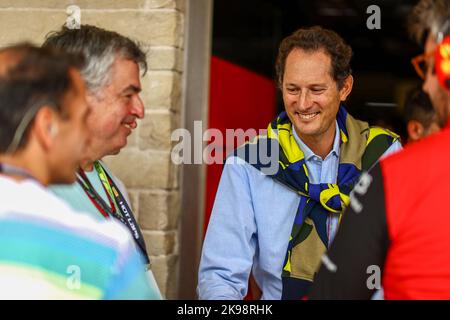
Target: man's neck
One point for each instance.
(92, 155)
(321, 145)
(32, 167)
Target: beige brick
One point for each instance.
(159, 210)
(181, 5)
(165, 58)
(33, 25)
(160, 243)
(174, 177)
(139, 169)
(165, 270)
(156, 130)
(180, 60)
(180, 30)
(97, 4)
(29, 26)
(134, 199)
(149, 27)
(161, 89)
(171, 291)
(48, 4)
(169, 4)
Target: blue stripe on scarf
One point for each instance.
(319, 215)
(348, 176)
(341, 118)
(297, 166)
(299, 218)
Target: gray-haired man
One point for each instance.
(112, 76)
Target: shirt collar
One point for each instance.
(310, 154)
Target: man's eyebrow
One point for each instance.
(309, 85)
(132, 88)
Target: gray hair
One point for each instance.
(429, 17)
(100, 49)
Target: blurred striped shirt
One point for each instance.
(48, 251)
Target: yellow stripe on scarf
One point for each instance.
(332, 191)
(343, 136)
(287, 141)
(377, 131)
(287, 266)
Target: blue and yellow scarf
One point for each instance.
(361, 146)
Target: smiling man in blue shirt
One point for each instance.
(277, 223)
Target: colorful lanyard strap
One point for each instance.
(118, 206)
(95, 198)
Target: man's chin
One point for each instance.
(116, 147)
(306, 130)
(116, 150)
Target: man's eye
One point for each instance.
(317, 90)
(292, 90)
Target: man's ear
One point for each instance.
(346, 88)
(44, 127)
(415, 130)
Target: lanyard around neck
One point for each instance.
(117, 203)
(95, 198)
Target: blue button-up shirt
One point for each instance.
(250, 226)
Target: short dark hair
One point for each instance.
(100, 48)
(428, 16)
(418, 107)
(32, 78)
(314, 39)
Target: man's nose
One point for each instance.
(304, 100)
(137, 108)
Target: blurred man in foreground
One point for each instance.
(49, 251)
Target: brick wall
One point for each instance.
(144, 165)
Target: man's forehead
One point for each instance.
(309, 54)
(315, 63)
